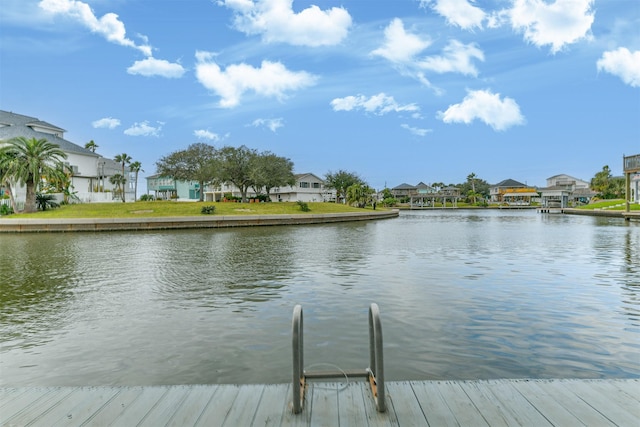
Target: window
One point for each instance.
(304, 185)
(316, 185)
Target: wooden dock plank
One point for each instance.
(193, 406)
(463, 408)
(137, 410)
(580, 409)
(516, 405)
(551, 409)
(42, 407)
(609, 405)
(351, 411)
(81, 410)
(415, 403)
(116, 406)
(221, 402)
(403, 403)
(244, 406)
(274, 404)
(324, 404)
(433, 405)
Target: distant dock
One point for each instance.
(561, 402)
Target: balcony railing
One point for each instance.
(632, 163)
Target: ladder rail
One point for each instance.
(374, 373)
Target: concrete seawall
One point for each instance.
(19, 225)
(604, 212)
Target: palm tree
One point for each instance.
(28, 161)
(92, 146)
(123, 159)
(119, 181)
(135, 167)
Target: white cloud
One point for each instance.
(456, 58)
(276, 21)
(487, 107)
(458, 12)
(415, 131)
(107, 122)
(271, 124)
(206, 134)
(622, 63)
(556, 23)
(402, 49)
(400, 46)
(144, 129)
(109, 25)
(156, 67)
(377, 104)
(272, 79)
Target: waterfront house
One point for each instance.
(403, 190)
(631, 167)
(512, 192)
(565, 190)
(89, 171)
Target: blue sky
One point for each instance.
(395, 90)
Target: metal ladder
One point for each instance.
(374, 373)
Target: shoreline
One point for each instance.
(182, 222)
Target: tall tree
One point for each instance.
(196, 163)
(270, 171)
(601, 182)
(27, 161)
(471, 179)
(235, 165)
(359, 194)
(340, 181)
(5, 179)
(92, 146)
(124, 159)
(136, 168)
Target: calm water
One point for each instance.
(462, 295)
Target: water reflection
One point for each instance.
(463, 295)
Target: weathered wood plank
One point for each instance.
(516, 405)
(273, 405)
(324, 404)
(492, 410)
(551, 409)
(463, 408)
(138, 409)
(42, 409)
(608, 405)
(116, 406)
(434, 408)
(572, 403)
(433, 403)
(244, 406)
(404, 404)
(197, 399)
(221, 402)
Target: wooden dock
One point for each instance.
(564, 402)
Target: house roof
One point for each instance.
(404, 186)
(302, 175)
(509, 183)
(17, 125)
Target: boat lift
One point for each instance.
(374, 373)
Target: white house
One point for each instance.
(564, 190)
(90, 171)
(308, 188)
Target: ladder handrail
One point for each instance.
(375, 372)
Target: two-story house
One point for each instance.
(90, 171)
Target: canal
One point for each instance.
(462, 295)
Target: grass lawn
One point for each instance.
(613, 204)
(168, 208)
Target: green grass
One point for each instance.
(168, 208)
(610, 205)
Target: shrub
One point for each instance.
(147, 198)
(208, 210)
(5, 210)
(304, 206)
(44, 201)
